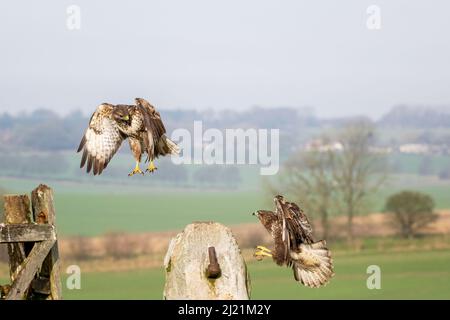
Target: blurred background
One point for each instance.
(359, 93)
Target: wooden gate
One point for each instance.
(32, 246)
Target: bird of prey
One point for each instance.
(294, 245)
(112, 124)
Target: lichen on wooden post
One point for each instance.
(190, 273)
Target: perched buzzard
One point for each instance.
(111, 124)
(294, 245)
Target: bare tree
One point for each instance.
(357, 171)
(337, 174)
(309, 180)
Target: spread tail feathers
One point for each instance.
(313, 265)
(165, 146)
(172, 146)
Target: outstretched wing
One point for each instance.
(152, 124)
(301, 227)
(296, 226)
(270, 220)
(101, 140)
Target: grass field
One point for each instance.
(406, 275)
(93, 214)
(409, 163)
(96, 208)
(91, 206)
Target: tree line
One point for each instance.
(46, 130)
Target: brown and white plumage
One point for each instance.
(111, 124)
(156, 141)
(294, 245)
(101, 140)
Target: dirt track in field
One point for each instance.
(124, 251)
(124, 245)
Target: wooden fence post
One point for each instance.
(204, 262)
(17, 211)
(32, 246)
(44, 213)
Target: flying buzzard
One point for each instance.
(294, 245)
(112, 124)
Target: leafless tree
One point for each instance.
(337, 175)
(357, 171)
(309, 180)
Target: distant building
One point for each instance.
(414, 148)
(322, 146)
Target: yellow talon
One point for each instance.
(262, 252)
(262, 248)
(136, 170)
(151, 167)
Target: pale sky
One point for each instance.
(225, 54)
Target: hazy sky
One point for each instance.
(225, 54)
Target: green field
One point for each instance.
(407, 275)
(95, 214)
(95, 208)
(88, 205)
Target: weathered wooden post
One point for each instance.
(32, 246)
(44, 213)
(204, 262)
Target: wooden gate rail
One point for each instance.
(30, 236)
